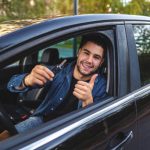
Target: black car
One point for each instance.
(119, 121)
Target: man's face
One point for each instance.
(90, 58)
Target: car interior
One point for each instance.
(20, 106)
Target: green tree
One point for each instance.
(16, 9)
(21, 9)
(133, 8)
(100, 6)
(138, 7)
(64, 7)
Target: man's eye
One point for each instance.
(97, 58)
(86, 53)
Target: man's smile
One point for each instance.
(86, 66)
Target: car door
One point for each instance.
(110, 124)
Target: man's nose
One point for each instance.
(90, 59)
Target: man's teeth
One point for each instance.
(86, 66)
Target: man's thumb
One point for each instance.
(93, 80)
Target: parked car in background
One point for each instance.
(119, 121)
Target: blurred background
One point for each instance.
(18, 13)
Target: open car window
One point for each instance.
(20, 106)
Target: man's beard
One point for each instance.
(87, 74)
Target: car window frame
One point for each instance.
(135, 80)
(142, 84)
(108, 98)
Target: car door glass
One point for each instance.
(142, 39)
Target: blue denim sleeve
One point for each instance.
(100, 91)
(15, 82)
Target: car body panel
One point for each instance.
(120, 120)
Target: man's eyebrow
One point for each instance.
(94, 54)
(86, 50)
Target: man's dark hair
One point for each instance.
(95, 38)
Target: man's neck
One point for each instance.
(77, 75)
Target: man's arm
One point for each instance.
(38, 77)
(15, 84)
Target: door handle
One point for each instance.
(124, 141)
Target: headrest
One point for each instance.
(50, 56)
(28, 61)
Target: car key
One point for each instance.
(59, 67)
(55, 69)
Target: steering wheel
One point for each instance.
(6, 122)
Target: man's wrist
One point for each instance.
(23, 81)
(22, 85)
(87, 102)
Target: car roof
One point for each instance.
(48, 26)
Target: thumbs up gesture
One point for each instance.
(83, 91)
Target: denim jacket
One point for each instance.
(58, 89)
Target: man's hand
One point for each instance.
(83, 91)
(38, 76)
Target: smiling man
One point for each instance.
(77, 85)
(90, 58)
